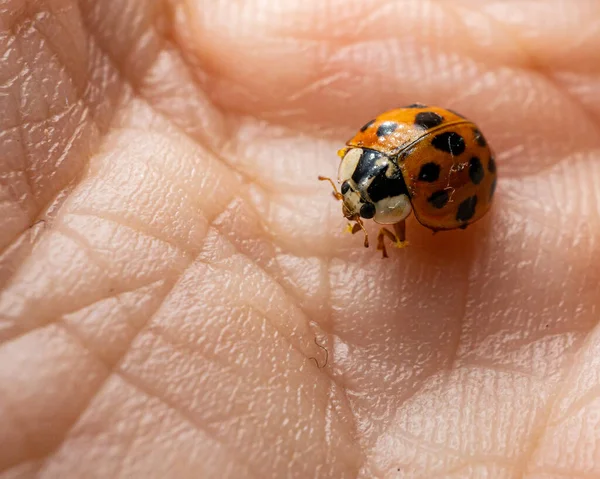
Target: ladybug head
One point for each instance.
(372, 187)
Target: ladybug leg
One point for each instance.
(399, 238)
(359, 226)
(336, 194)
(400, 230)
(383, 232)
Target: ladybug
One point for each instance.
(425, 159)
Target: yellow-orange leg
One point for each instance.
(398, 239)
(336, 194)
(400, 230)
(358, 226)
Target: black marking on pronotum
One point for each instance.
(429, 172)
(466, 210)
(428, 119)
(450, 142)
(415, 105)
(367, 167)
(384, 186)
(439, 199)
(386, 128)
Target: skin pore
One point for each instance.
(170, 265)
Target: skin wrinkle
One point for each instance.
(29, 238)
(188, 413)
(24, 146)
(454, 357)
(486, 365)
(581, 86)
(55, 117)
(436, 449)
(98, 261)
(186, 416)
(136, 226)
(110, 372)
(542, 422)
(331, 378)
(130, 444)
(68, 109)
(534, 65)
(538, 435)
(76, 337)
(290, 293)
(131, 78)
(126, 451)
(15, 418)
(23, 470)
(131, 342)
(27, 431)
(48, 43)
(156, 167)
(28, 160)
(183, 412)
(169, 338)
(577, 405)
(80, 97)
(116, 365)
(233, 244)
(113, 293)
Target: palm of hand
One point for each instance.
(161, 318)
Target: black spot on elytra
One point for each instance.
(476, 171)
(383, 186)
(466, 210)
(367, 167)
(367, 210)
(345, 187)
(479, 138)
(367, 125)
(428, 119)
(429, 172)
(439, 199)
(493, 188)
(386, 128)
(415, 105)
(492, 164)
(450, 142)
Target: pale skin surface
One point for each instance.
(169, 257)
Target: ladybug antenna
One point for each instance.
(336, 194)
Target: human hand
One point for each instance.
(169, 257)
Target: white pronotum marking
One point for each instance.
(348, 164)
